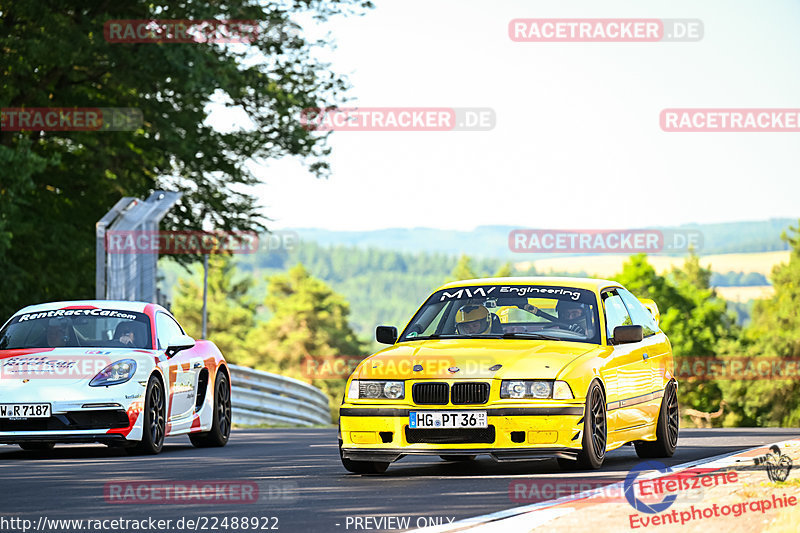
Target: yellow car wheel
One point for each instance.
(595, 432)
(666, 430)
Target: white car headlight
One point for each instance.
(376, 390)
(115, 373)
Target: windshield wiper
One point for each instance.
(525, 335)
(433, 336)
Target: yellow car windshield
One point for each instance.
(508, 311)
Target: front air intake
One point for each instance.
(470, 393)
(429, 393)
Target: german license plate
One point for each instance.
(24, 410)
(447, 419)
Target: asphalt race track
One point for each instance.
(300, 481)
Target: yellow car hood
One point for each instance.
(471, 358)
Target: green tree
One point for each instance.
(691, 313)
(777, 321)
(504, 271)
(707, 321)
(774, 332)
(54, 55)
(639, 277)
(307, 320)
(231, 311)
(463, 269)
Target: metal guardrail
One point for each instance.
(260, 397)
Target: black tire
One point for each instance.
(362, 467)
(461, 458)
(220, 430)
(666, 430)
(37, 446)
(595, 433)
(155, 421)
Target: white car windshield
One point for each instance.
(508, 311)
(73, 328)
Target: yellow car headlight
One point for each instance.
(536, 389)
(541, 389)
(514, 389)
(394, 390)
(376, 390)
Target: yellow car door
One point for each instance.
(658, 348)
(628, 409)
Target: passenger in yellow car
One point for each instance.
(473, 320)
(570, 315)
(573, 314)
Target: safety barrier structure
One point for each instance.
(264, 398)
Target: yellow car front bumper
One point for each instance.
(514, 432)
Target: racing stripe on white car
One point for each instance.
(527, 517)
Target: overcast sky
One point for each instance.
(577, 142)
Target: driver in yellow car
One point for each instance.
(473, 320)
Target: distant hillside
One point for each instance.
(731, 269)
(492, 241)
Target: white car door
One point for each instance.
(182, 374)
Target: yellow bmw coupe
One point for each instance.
(519, 369)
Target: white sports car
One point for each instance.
(120, 373)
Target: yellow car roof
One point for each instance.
(591, 284)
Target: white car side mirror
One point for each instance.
(178, 343)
